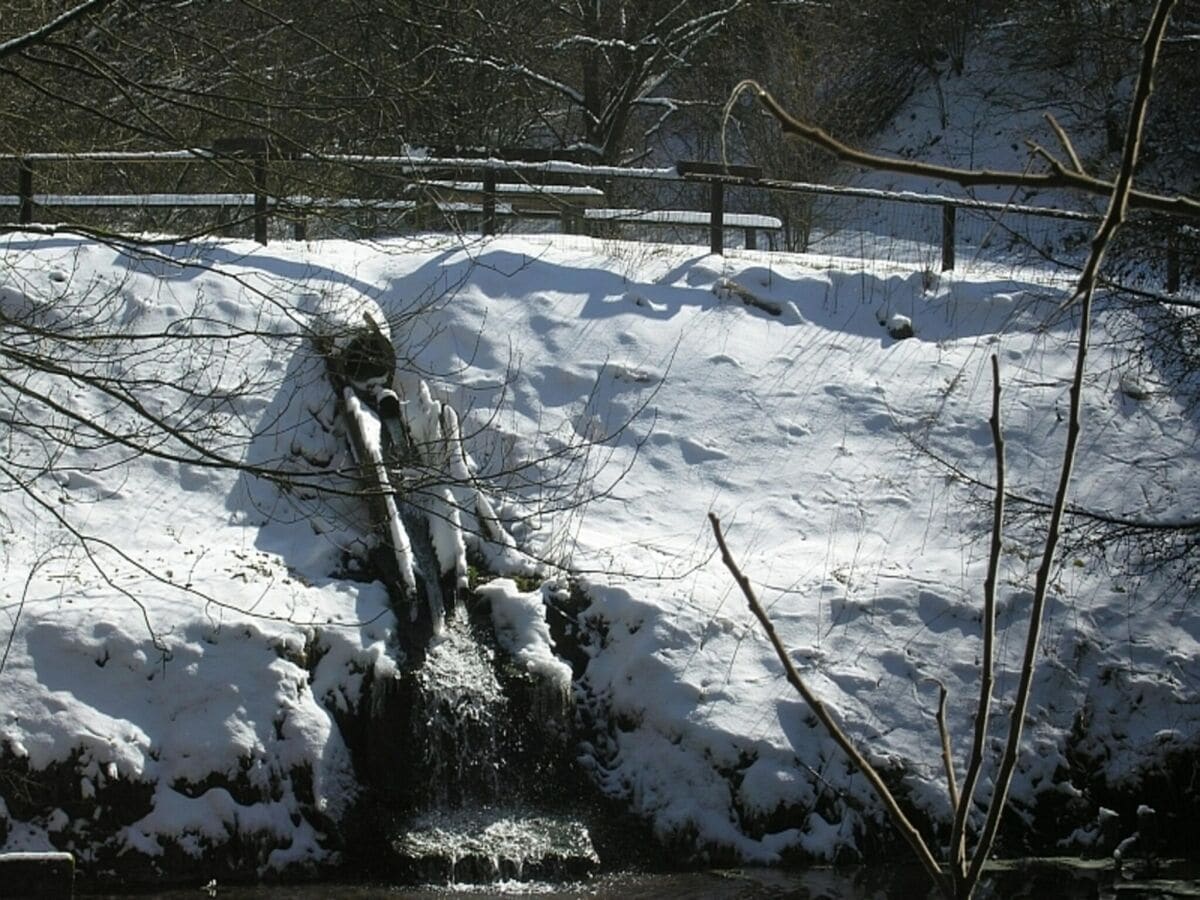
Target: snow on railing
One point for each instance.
(527, 178)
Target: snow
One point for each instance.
(520, 623)
(608, 396)
(799, 431)
(681, 217)
(368, 426)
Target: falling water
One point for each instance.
(460, 758)
(458, 702)
(473, 820)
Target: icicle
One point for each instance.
(403, 548)
(456, 454)
(426, 428)
(460, 471)
(445, 527)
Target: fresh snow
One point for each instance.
(801, 433)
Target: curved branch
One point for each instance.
(1059, 175)
(902, 822)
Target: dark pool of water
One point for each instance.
(1056, 879)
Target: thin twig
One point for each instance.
(958, 834)
(947, 755)
(1065, 141)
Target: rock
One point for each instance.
(900, 327)
(1133, 387)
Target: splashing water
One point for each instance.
(460, 703)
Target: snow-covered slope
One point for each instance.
(210, 654)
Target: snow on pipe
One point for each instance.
(374, 466)
(425, 426)
(461, 471)
(430, 430)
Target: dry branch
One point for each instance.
(967, 867)
(958, 834)
(1059, 176)
(1117, 208)
(901, 821)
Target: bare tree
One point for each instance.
(601, 76)
(176, 393)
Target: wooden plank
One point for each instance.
(690, 167)
(533, 199)
(25, 192)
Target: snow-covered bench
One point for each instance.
(750, 223)
(525, 198)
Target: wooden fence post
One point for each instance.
(716, 213)
(260, 198)
(717, 219)
(1173, 276)
(256, 149)
(489, 201)
(948, 215)
(24, 191)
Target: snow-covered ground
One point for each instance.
(189, 629)
(206, 626)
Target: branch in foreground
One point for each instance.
(1118, 205)
(1059, 176)
(902, 822)
(958, 832)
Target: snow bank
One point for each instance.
(520, 623)
(610, 396)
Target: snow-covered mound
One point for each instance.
(193, 630)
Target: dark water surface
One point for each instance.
(1055, 879)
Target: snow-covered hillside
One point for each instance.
(616, 393)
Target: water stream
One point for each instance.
(473, 816)
(459, 703)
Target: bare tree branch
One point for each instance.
(1118, 205)
(962, 812)
(947, 754)
(907, 830)
(38, 35)
(1059, 175)
(967, 866)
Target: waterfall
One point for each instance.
(457, 704)
(466, 757)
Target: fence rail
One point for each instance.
(572, 188)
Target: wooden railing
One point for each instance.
(492, 187)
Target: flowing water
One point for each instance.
(459, 704)
(473, 815)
